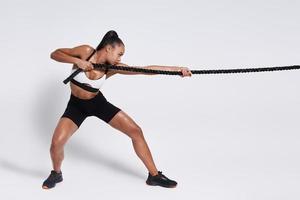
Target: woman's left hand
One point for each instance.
(185, 71)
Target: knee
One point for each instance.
(56, 144)
(136, 133)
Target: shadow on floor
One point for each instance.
(17, 168)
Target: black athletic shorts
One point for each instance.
(79, 109)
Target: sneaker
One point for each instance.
(52, 179)
(160, 180)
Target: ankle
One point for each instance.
(154, 173)
(57, 171)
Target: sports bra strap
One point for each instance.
(91, 55)
(106, 68)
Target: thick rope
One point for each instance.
(152, 71)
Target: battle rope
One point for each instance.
(152, 71)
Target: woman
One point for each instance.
(87, 100)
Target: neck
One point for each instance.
(100, 57)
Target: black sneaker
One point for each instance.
(52, 179)
(160, 180)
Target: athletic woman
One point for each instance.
(86, 100)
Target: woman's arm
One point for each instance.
(163, 68)
(114, 71)
(154, 67)
(70, 55)
(185, 71)
(74, 56)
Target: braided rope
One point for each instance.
(152, 71)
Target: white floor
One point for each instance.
(230, 149)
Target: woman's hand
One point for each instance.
(84, 65)
(185, 71)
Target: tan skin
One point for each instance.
(121, 121)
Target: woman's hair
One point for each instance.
(112, 38)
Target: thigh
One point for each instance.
(68, 123)
(124, 123)
(63, 131)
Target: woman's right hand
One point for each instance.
(185, 71)
(85, 65)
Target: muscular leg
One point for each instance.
(122, 122)
(63, 131)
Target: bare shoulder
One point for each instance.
(110, 73)
(85, 50)
(81, 51)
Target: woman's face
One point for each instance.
(115, 53)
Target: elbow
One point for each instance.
(53, 54)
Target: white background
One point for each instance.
(225, 136)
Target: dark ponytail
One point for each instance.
(111, 37)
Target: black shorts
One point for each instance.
(79, 109)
